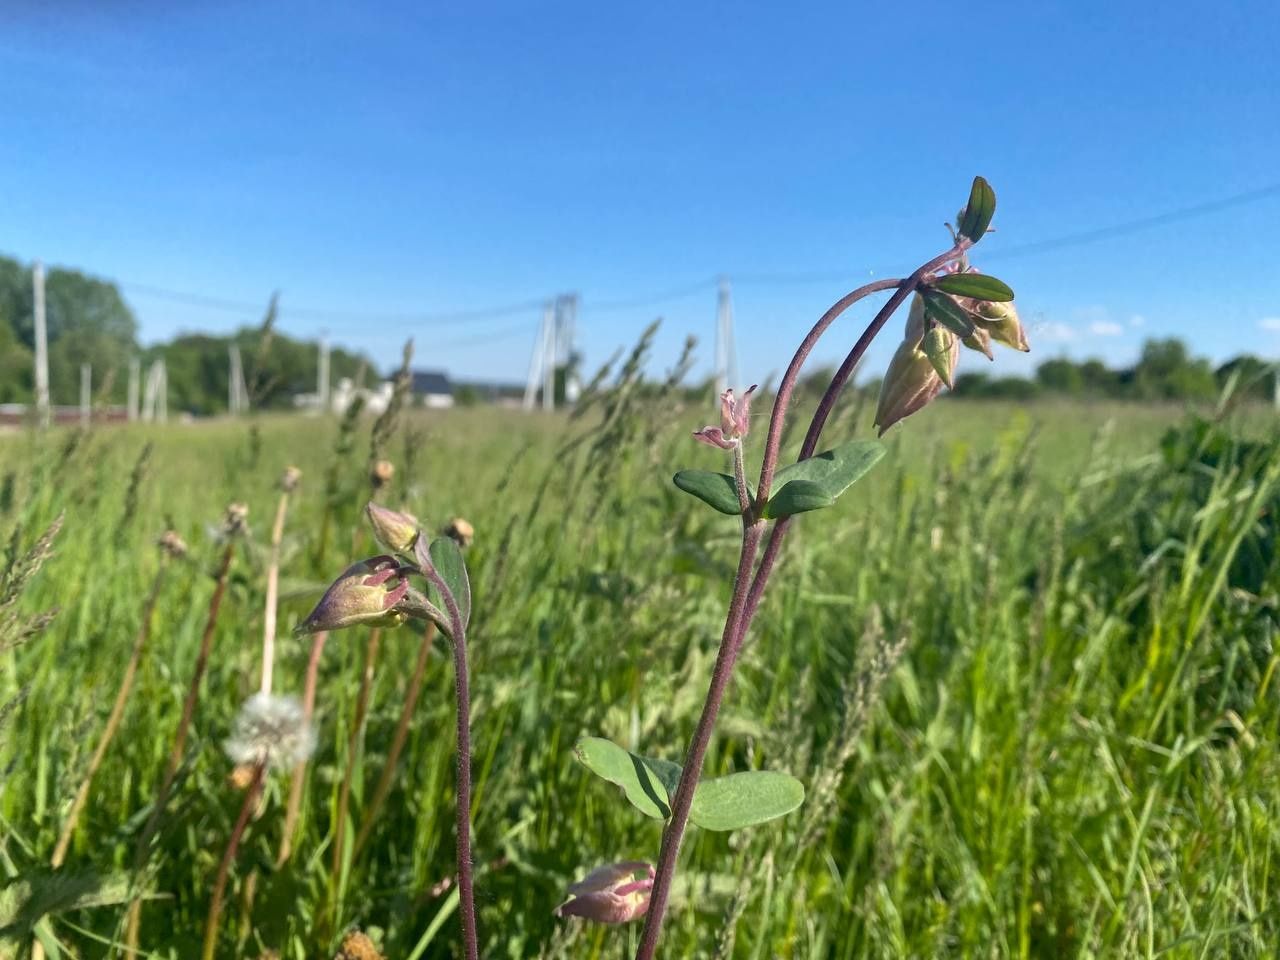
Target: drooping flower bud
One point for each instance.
(615, 893)
(396, 531)
(366, 593)
(735, 421)
(980, 341)
(1001, 321)
(910, 382)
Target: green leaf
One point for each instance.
(446, 557)
(745, 799)
(979, 286)
(716, 489)
(978, 211)
(798, 496)
(820, 480)
(647, 781)
(944, 310)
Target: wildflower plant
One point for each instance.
(952, 305)
(380, 592)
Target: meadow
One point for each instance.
(1025, 671)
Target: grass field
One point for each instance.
(1075, 754)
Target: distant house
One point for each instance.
(432, 388)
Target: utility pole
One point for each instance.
(322, 375)
(164, 392)
(135, 372)
(42, 346)
(549, 360)
(86, 387)
(537, 360)
(235, 382)
(726, 355)
(566, 328)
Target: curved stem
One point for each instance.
(462, 691)
(730, 644)
(273, 591)
(228, 858)
(905, 289)
(773, 441)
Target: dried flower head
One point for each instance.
(172, 544)
(366, 592)
(357, 946)
(460, 531)
(271, 731)
(290, 479)
(396, 531)
(735, 421)
(614, 893)
(235, 520)
(381, 473)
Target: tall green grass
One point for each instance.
(1075, 754)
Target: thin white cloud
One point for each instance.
(1270, 323)
(1105, 328)
(1051, 331)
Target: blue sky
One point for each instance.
(395, 162)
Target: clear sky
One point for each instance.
(398, 162)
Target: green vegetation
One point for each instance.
(1075, 754)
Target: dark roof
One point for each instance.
(431, 381)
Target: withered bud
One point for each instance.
(910, 382)
(1001, 321)
(290, 479)
(357, 946)
(235, 521)
(460, 531)
(615, 893)
(172, 544)
(381, 473)
(396, 531)
(366, 593)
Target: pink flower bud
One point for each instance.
(615, 893)
(735, 421)
(366, 593)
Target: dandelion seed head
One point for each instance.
(271, 730)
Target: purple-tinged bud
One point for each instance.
(396, 531)
(1001, 321)
(366, 593)
(615, 893)
(714, 437)
(910, 382)
(939, 345)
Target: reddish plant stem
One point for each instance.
(397, 741)
(748, 590)
(462, 812)
(228, 858)
(299, 774)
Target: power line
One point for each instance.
(1079, 238)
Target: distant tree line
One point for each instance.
(88, 321)
(1166, 370)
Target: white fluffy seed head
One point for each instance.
(271, 730)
